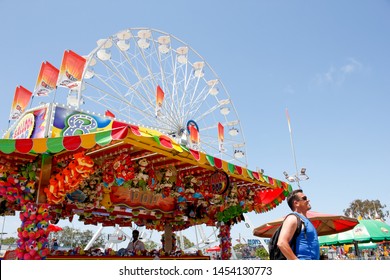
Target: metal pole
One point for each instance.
(2, 232)
(293, 149)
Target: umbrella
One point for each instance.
(365, 231)
(370, 245)
(324, 223)
(214, 249)
(54, 228)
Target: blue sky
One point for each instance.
(328, 62)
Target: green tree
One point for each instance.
(187, 242)
(69, 237)
(150, 245)
(367, 209)
(262, 253)
(238, 247)
(8, 240)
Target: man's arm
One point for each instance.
(286, 234)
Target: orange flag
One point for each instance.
(159, 99)
(47, 79)
(194, 134)
(221, 135)
(21, 99)
(71, 71)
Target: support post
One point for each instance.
(167, 238)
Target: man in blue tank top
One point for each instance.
(307, 245)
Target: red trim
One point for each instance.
(23, 145)
(166, 141)
(71, 143)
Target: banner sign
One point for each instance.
(135, 198)
(31, 125)
(69, 122)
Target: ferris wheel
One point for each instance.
(151, 78)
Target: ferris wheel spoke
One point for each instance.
(198, 102)
(120, 76)
(119, 99)
(136, 72)
(209, 111)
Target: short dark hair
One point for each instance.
(136, 232)
(293, 197)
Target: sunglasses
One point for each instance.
(303, 198)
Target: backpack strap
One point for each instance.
(293, 242)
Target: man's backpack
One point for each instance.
(274, 251)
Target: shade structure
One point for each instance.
(54, 228)
(324, 223)
(365, 231)
(213, 249)
(369, 245)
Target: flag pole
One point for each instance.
(292, 147)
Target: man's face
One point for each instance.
(303, 201)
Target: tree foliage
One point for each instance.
(69, 237)
(150, 245)
(187, 242)
(262, 253)
(367, 209)
(8, 241)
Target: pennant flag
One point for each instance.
(221, 136)
(21, 99)
(47, 79)
(108, 113)
(72, 68)
(194, 134)
(159, 100)
(288, 121)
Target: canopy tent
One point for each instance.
(324, 223)
(213, 249)
(365, 231)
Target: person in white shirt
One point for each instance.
(135, 244)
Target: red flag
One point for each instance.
(47, 79)
(194, 134)
(72, 68)
(21, 99)
(221, 136)
(159, 99)
(159, 96)
(108, 113)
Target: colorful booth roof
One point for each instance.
(202, 183)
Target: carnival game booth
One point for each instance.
(124, 175)
(152, 153)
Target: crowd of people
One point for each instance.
(347, 252)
